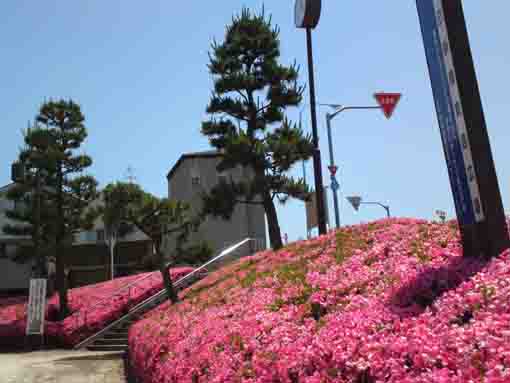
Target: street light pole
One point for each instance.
(319, 188)
(385, 207)
(329, 117)
(356, 201)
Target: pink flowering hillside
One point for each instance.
(91, 306)
(391, 301)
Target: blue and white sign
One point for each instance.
(450, 114)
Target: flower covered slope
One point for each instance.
(93, 307)
(391, 301)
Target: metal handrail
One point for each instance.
(226, 251)
(115, 293)
(136, 282)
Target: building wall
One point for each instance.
(13, 276)
(88, 259)
(247, 220)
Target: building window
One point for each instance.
(3, 250)
(19, 206)
(100, 235)
(195, 180)
(222, 178)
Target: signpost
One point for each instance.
(36, 307)
(463, 130)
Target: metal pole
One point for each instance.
(37, 224)
(319, 188)
(333, 179)
(111, 256)
(385, 207)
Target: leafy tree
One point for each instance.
(156, 218)
(252, 91)
(68, 192)
(115, 201)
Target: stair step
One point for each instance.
(114, 335)
(113, 341)
(108, 347)
(118, 332)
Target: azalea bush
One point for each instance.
(92, 307)
(389, 301)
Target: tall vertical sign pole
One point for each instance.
(463, 130)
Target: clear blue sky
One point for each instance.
(138, 69)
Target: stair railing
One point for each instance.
(180, 283)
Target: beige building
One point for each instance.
(13, 276)
(195, 173)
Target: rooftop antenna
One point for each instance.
(130, 175)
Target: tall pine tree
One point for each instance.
(51, 145)
(252, 91)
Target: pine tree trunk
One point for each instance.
(272, 222)
(61, 284)
(165, 273)
(167, 281)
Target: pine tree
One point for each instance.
(30, 196)
(70, 191)
(252, 91)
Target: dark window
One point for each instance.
(3, 250)
(100, 235)
(195, 180)
(19, 206)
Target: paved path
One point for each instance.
(62, 367)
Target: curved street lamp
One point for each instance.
(356, 201)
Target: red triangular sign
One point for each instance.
(333, 169)
(388, 102)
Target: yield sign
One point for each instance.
(388, 102)
(333, 169)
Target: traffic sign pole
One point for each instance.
(387, 102)
(333, 169)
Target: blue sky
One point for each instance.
(138, 69)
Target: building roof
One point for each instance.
(6, 187)
(186, 156)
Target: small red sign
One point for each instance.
(388, 102)
(333, 169)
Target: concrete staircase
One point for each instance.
(114, 337)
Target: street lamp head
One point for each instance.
(307, 13)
